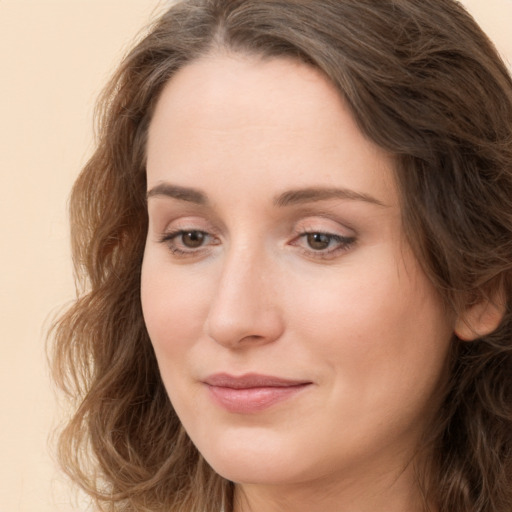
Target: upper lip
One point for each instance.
(251, 380)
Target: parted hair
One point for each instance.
(424, 83)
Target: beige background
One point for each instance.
(54, 57)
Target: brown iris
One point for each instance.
(192, 239)
(318, 241)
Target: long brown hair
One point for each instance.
(423, 82)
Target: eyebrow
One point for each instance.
(310, 195)
(288, 198)
(190, 195)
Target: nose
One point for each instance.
(245, 309)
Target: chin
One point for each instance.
(256, 471)
(254, 461)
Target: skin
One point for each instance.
(248, 291)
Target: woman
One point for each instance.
(295, 245)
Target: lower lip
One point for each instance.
(251, 400)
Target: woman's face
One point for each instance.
(296, 334)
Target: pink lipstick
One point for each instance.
(251, 393)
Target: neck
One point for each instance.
(396, 491)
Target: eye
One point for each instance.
(317, 244)
(185, 242)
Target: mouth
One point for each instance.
(251, 393)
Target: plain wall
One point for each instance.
(55, 55)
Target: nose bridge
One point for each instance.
(244, 307)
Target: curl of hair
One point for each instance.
(423, 82)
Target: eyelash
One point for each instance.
(170, 240)
(343, 243)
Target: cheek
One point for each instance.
(383, 332)
(174, 308)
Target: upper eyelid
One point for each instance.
(183, 223)
(335, 227)
(318, 222)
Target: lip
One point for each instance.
(251, 393)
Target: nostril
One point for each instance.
(243, 327)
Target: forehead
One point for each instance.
(237, 117)
(251, 85)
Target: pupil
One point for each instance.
(193, 239)
(318, 241)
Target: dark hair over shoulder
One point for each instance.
(423, 82)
